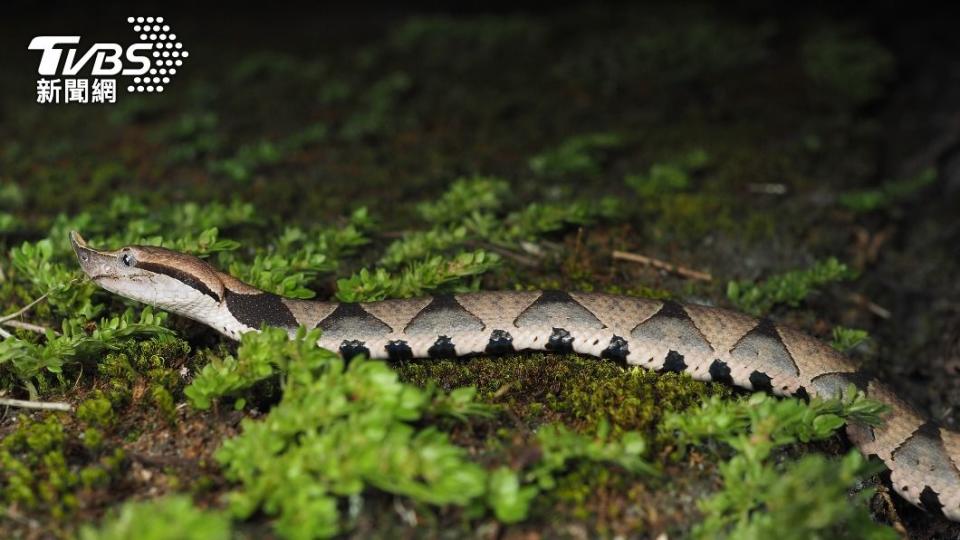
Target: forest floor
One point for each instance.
(798, 165)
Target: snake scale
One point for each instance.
(710, 344)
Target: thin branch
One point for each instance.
(41, 405)
(865, 302)
(24, 309)
(22, 325)
(505, 252)
(663, 265)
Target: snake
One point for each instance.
(708, 343)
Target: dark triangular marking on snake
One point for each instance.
(930, 501)
(673, 363)
(557, 309)
(924, 450)
(443, 347)
(560, 341)
(618, 349)
(350, 321)
(830, 385)
(398, 350)
(256, 310)
(763, 350)
(443, 315)
(801, 393)
(673, 309)
(761, 381)
(672, 327)
(353, 347)
(501, 342)
(720, 372)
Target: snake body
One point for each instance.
(710, 344)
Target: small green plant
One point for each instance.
(169, 518)
(790, 288)
(377, 112)
(40, 473)
(763, 495)
(28, 360)
(578, 155)
(845, 339)
(431, 274)
(298, 257)
(465, 196)
(342, 428)
(251, 157)
(888, 194)
(850, 65)
(669, 176)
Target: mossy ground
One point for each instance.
(794, 109)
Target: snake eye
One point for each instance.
(127, 259)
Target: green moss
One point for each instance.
(97, 411)
(582, 392)
(850, 65)
(35, 472)
(169, 518)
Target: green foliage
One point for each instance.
(763, 495)
(344, 429)
(11, 197)
(473, 211)
(96, 411)
(888, 194)
(480, 38)
(297, 257)
(259, 356)
(668, 177)
(377, 113)
(341, 429)
(851, 66)
(251, 157)
(431, 274)
(845, 339)
(27, 360)
(560, 446)
(35, 264)
(578, 155)
(35, 472)
(536, 220)
(790, 288)
(190, 136)
(169, 518)
(465, 196)
(679, 201)
(419, 244)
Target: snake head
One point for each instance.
(153, 275)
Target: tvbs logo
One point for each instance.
(107, 57)
(149, 63)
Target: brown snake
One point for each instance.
(710, 344)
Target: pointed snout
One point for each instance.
(90, 259)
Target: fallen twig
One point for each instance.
(662, 265)
(27, 326)
(505, 252)
(40, 405)
(865, 302)
(24, 309)
(768, 188)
